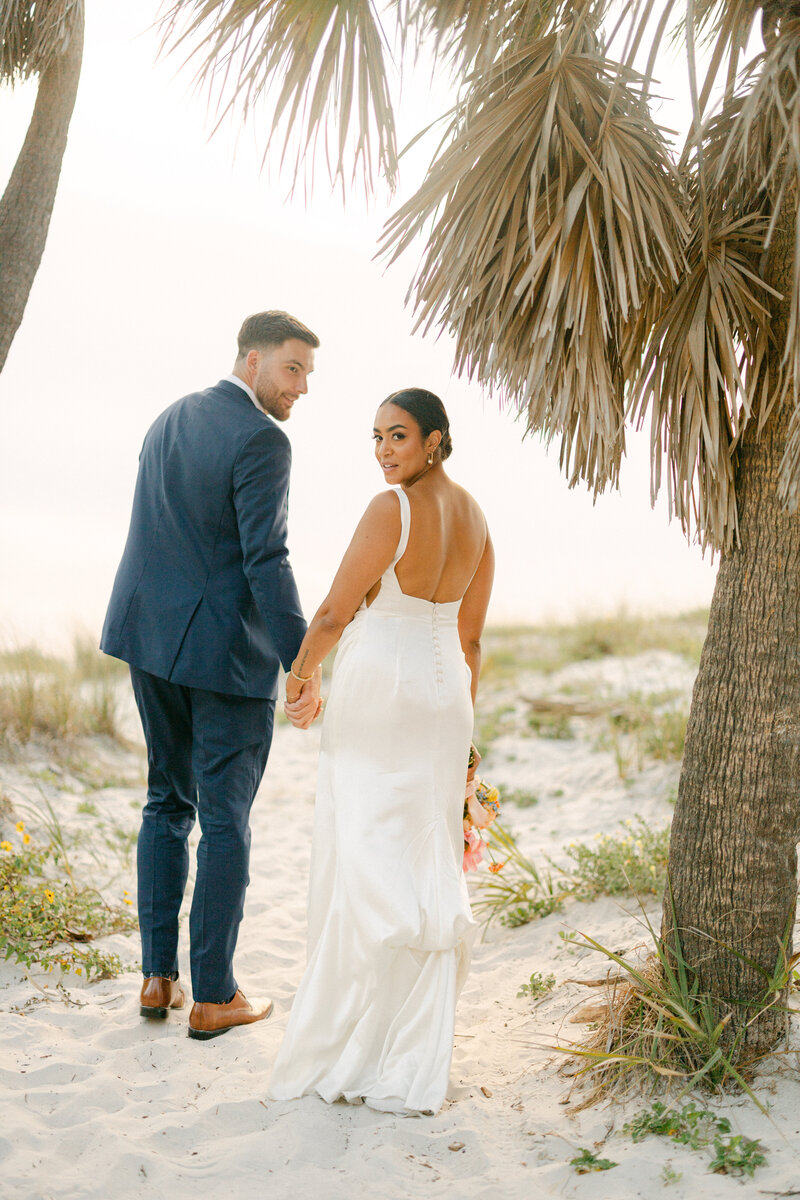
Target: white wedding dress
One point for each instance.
(390, 927)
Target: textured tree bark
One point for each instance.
(27, 203)
(733, 862)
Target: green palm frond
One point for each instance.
(555, 213)
(321, 60)
(31, 33)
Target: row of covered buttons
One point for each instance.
(437, 650)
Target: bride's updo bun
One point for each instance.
(428, 411)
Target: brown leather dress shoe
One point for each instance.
(210, 1020)
(159, 994)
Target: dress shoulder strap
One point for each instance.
(405, 524)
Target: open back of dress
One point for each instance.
(390, 927)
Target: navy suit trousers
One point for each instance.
(206, 754)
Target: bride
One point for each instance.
(390, 928)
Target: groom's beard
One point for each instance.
(275, 404)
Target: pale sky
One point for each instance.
(162, 241)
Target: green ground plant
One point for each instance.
(47, 920)
(698, 1128)
(587, 1161)
(556, 726)
(737, 1155)
(537, 986)
(688, 1126)
(633, 860)
(491, 723)
(520, 797)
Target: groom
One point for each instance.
(204, 609)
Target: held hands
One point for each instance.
(303, 704)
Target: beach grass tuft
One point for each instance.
(514, 891)
(658, 1031)
(42, 696)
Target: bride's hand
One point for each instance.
(303, 704)
(474, 760)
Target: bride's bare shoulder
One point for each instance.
(383, 510)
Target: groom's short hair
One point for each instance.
(272, 328)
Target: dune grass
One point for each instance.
(44, 696)
(549, 647)
(660, 1032)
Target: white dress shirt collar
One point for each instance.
(245, 388)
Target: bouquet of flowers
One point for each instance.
(481, 806)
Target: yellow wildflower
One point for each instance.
(20, 825)
(126, 901)
(49, 896)
(26, 838)
(6, 846)
(78, 971)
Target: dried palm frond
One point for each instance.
(556, 214)
(32, 32)
(761, 159)
(704, 372)
(725, 26)
(322, 61)
(474, 33)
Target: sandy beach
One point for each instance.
(99, 1103)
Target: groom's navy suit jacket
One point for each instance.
(205, 595)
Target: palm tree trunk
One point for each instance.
(733, 862)
(27, 203)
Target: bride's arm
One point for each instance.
(472, 613)
(367, 557)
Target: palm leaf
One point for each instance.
(704, 371)
(555, 215)
(322, 62)
(475, 33)
(760, 159)
(32, 33)
(725, 27)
